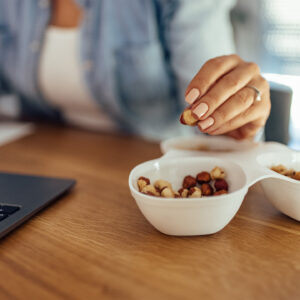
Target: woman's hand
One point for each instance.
(223, 102)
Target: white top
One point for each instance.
(62, 83)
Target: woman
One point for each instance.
(125, 65)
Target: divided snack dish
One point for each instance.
(207, 215)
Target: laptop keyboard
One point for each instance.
(7, 210)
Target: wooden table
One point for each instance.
(95, 244)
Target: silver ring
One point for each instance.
(257, 91)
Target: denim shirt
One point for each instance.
(137, 56)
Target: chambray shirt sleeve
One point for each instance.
(197, 31)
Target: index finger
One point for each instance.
(210, 72)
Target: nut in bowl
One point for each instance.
(289, 172)
(193, 215)
(197, 186)
(281, 190)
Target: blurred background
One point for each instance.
(268, 32)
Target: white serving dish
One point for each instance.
(246, 164)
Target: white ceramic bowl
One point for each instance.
(188, 216)
(283, 192)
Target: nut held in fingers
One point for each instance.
(187, 118)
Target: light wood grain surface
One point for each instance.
(95, 244)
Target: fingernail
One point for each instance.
(192, 95)
(206, 123)
(201, 109)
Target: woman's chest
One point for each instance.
(121, 56)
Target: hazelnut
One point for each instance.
(221, 184)
(279, 169)
(220, 192)
(142, 182)
(296, 176)
(217, 173)
(194, 192)
(183, 192)
(289, 173)
(188, 182)
(187, 118)
(167, 193)
(150, 190)
(161, 184)
(206, 189)
(203, 177)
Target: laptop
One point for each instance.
(22, 196)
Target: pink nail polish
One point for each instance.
(192, 95)
(206, 123)
(200, 110)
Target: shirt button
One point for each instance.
(34, 46)
(44, 3)
(88, 65)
